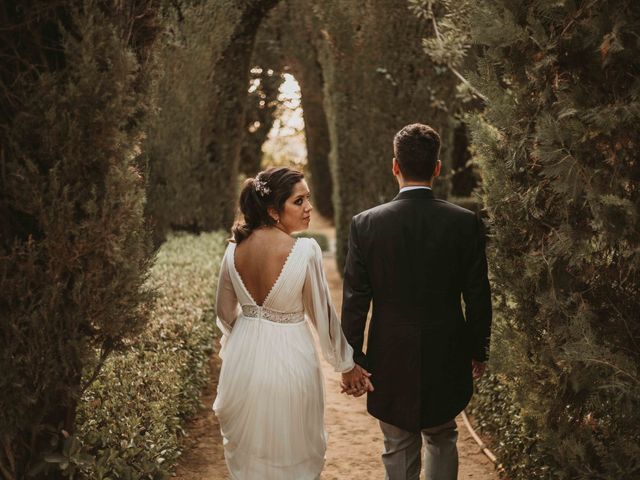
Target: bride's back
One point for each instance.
(259, 260)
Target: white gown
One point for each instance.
(270, 399)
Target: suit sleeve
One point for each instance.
(476, 293)
(356, 297)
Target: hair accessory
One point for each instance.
(261, 187)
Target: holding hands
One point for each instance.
(356, 382)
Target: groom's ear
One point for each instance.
(395, 168)
(436, 170)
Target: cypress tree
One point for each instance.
(194, 146)
(179, 173)
(558, 148)
(262, 103)
(284, 44)
(229, 81)
(266, 76)
(300, 55)
(447, 45)
(76, 91)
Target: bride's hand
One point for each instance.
(356, 382)
(367, 387)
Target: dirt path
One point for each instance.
(355, 441)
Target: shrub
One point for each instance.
(76, 90)
(131, 418)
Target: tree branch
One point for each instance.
(103, 356)
(449, 66)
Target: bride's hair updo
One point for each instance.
(269, 189)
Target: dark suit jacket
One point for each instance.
(415, 257)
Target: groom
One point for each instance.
(415, 258)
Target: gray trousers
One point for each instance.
(401, 455)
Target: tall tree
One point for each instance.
(229, 81)
(262, 104)
(558, 145)
(266, 77)
(300, 54)
(76, 90)
(194, 146)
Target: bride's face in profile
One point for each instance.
(296, 213)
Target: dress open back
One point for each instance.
(270, 400)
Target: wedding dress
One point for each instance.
(270, 399)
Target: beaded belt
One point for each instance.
(254, 311)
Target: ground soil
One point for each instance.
(355, 441)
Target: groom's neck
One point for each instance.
(403, 183)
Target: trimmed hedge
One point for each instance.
(321, 238)
(194, 145)
(557, 146)
(131, 418)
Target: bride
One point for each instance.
(270, 400)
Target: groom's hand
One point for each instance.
(478, 368)
(351, 380)
(356, 381)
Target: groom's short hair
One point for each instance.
(416, 148)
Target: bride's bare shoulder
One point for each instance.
(263, 241)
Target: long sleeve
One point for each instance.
(319, 307)
(356, 297)
(477, 297)
(227, 307)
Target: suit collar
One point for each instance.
(420, 193)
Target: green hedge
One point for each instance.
(557, 144)
(513, 440)
(131, 418)
(179, 171)
(321, 238)
(470, 203)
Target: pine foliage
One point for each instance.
(76, 90)
(558, 148)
